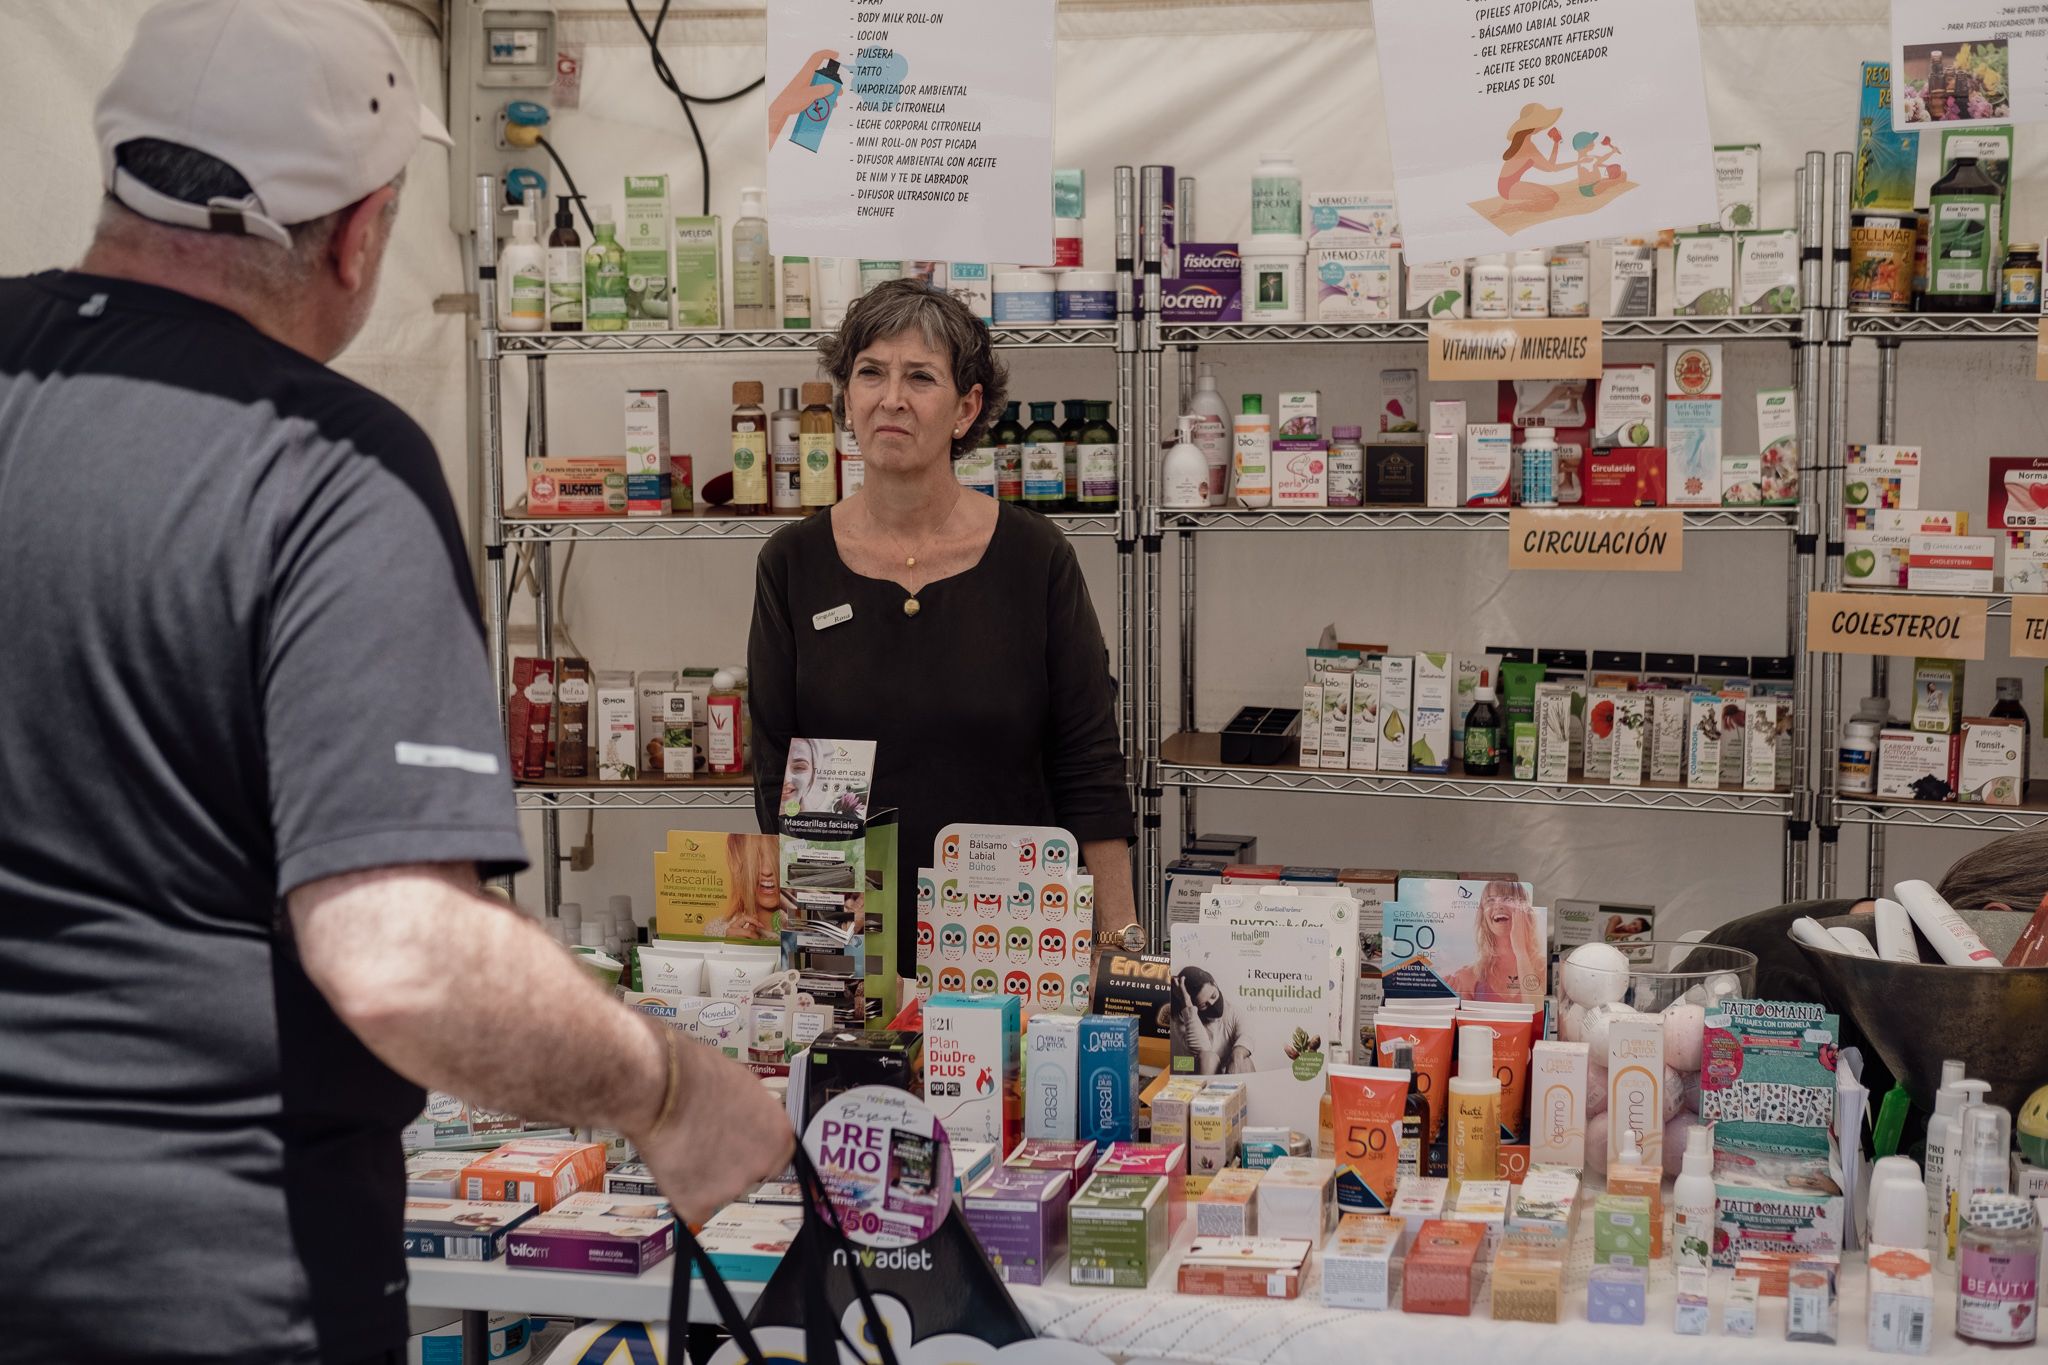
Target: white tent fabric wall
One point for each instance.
(1203, 85)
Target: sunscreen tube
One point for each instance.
(1852, 942)
(1895, 933)
(1366, 1106)
(1957, 943)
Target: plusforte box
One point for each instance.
(970, 1067)
(1116, 1231)
(610, 1234)
(1109, 1079)
(1020, 1218)
(1210, 286)
(1052, 1068)
(461, 1229)
(543, 1171)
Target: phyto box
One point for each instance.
(1245, 1267)
(1109, 1079)
(1358, 1264)
(1168, 1161)
(1435, 291)
(970, 1067)
(1052, 1072)
(1937, 695)
(1116, 1231)
(609, 1234)
(461, 1229)
(1435, 685)
(1020, 1218)
(542, 1171)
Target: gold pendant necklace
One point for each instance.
(911, 606)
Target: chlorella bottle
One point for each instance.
(749, 449)
(1045, 462)
(604, 275)
(1482, 735)
(818, 483)
(1070, 433)
(1097, 486)
(1007, 441)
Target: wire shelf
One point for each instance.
(663, 343)
(659, 530)
(707, 793)
(1945, 326)
(1779, 519)
(1775, 327)
(1940, 815)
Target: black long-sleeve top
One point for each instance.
(993, 705)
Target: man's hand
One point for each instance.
(796, 97)
(726, 1134)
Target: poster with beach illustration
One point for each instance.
(1968, 63)
(1522, 126)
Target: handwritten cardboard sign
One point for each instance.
(1561, 348)
(2030, 626)
(1886, 623)
(1624, 540)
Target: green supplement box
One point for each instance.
(1525, 751)
(644, 235)
(1116, 1231)
(700, 298)
(1621, 1230)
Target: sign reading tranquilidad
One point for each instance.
(1968, 63)
(1618, 541)
(1527, 123)
(911, 129)
(1887, 623)
(1561, 348)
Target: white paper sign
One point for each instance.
(1968, 63)
(1519, 125)
(911, 129)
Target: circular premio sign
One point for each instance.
(885, 1162)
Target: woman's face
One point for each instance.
(1207, 997)
(902, 405)
(1497, 916)
(796, 778)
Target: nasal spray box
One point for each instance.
(643, 233)
(970, 1067)
(1051, 1077)
(1109, 1079)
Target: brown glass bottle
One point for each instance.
(1414, 1144)
(749, 449)
(818, 473)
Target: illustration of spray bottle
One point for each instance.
(809, 130)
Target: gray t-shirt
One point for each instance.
(238, 653)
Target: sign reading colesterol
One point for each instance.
(2029, 626)
(1562, 348)
(1619, 541)
(1874, 623)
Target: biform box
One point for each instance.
(607, 1234)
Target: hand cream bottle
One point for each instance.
(1475, 1110)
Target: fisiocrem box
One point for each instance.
(543, 1171)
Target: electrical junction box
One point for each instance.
(518, 49)
(497, 53)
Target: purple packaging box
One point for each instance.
(1077, 1159)
(610, 1234)
(1020, 1218)
(1209, 288)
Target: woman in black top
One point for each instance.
(953, 630)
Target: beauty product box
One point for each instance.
(1692, 425)
(1435, 692)
(747, 1241)
(1298, 1198)
(1440, 468)
(1337, 688)
(1557, 1104)
(1767, 278)
(615, 728)
(1901, 1299)
(1621, 1229)
(1401, 403)
(1635, 1084)
(644, 234)
(1991, 761)
(1914, 766)
(1109, 1079)
(1760, 1209)
(1353, 283)
(1230, 1206)
(1553, 732)
(1168, 1161)
(647, 452)
(1363, 217)
(1443, 1260)
(1812, 1303)
(1951, 563)
(1601, 724)
(1244, 1267)
(1397, 709)
(1704, 274)
(1419, 1199)
(1489, 463)
(1301, 472)
(1365, 719)
(1075, 1158)
(1739, 180)
(1703, 740)
(1020, 1218)
(1528, 1283)
(700, 297)
(1631, 729)
(604, 1233)
(1438, 290)
(526, 716)
(1116, 1231)
(1618, 1295)
(1052, 1070)
(1298, 415)
(1760, 744)
(1937, 695)
(461, 1229)
(1311, 728)
(572, 717)
(1216, 1129)
(1358, 1263)
(1396, 473)
(1546, 1201)
(542, 1171)
(1483, 1203)
(1626, 414)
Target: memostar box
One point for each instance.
(970, 1067)
(606, 1233)
(1020, 1218)
(1109, 1079)
(543, 1171)
(1116, 1231)
(1052, 1071)
(460, 1229)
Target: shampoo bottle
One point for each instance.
(524, 269)
(604, 275)
(565, 270)
(749, 450)
(785, 454)
(818, 483)
(1212, 434)
(753, 269)
(1475, 1110)
(1695, 1205)
(1251, 455)
(1184, 477)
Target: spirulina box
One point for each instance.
(700, 302)
(970, 1067)
(1116, 1231)
(1109, 1079)
(644, 235)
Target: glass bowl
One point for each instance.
(1662, 972)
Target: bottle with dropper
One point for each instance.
(1414, 1141)
(1475, 1110)
(565, 269)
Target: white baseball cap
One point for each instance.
(309, 100)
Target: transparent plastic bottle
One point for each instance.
(754, 301)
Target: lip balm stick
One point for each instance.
(1957, 943)
(1895, 933)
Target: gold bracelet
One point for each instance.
(672, 1087)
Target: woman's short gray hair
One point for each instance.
(2013, 870)
(891, 309)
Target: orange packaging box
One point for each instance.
(542, 1171)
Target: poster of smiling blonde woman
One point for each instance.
(1523, 125)
(1471, 940)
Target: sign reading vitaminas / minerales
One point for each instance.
(1517, 126)
(1619, 541)
(911, 129)
(1561, 348)
(1886, 623)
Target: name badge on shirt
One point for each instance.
(837, 616)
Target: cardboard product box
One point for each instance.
(1624, 279)
(746, 1242)
(1301, 472)
(644, 234)
(1116, 1231)
(647, 453)
(1618, 1295)
(1768, 273)
(1624, 477)
(1311, 730)
(1370, 217)
(699, 291)
(1109, 1079)
(1440, 468)
(615, 727)
(1631, 733)
(1901, 1299)
(542, 1171)
(1365, 719)
(1189, 879)
(1052, 1071)
(969, 1040)
(606, 1233)
(1879, 554)
(1435, 692)
(1693, 377)
(1298, 1198)
(1336, 718)
(1245, 1267)
(1553, 732)
(1229, 1207)
(1170, 1105)
(1991, 762)
(1626, 411)
(1914, 766)
(1739, 178)
(1168, 1161)
(1443, 1259)
(1760, 744)
(1941, 563)
(1417, 1200)
(1622, 1229)
(1397, 706)
(1209, 287)
(1439, 290)
(527, 715)
(1020, 1218)
(1489, 463)
(631, 1178)
(1528, 1284)
(461, 1229)
(1879, 479)
(1358, 1263)
(1703, 740)
(1601, 724)
(1704, 266)
(1397, 474)
(651, 690)
(1353, 283)
(1401, 405)
(1299, 415)
(1937, 695)
(1075, 1158)
(433, 1175)
(1216, 1129)
(1483, 1203)
(572, 716)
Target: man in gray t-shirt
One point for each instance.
(249, 756)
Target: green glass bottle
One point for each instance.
(1097, 489)
(1070, 432)
(1008, 436)
(1045, 462)
(604, 275)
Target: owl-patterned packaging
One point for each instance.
(1031, 941)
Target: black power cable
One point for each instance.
(574, 194)
(667, 77)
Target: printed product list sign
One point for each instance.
(1519, 124)
(911, 129)
(1968, 63)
